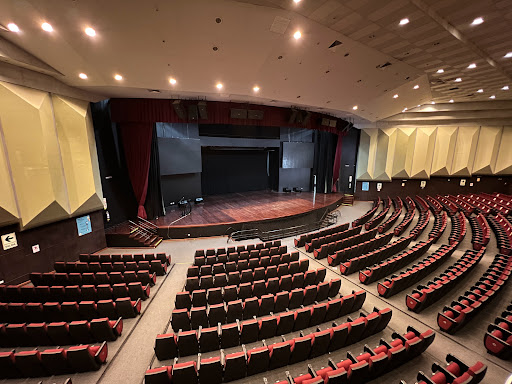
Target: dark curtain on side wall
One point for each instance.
(337, 164)
(325, 146)
(137, 139)
(154, 202)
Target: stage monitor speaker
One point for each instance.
(192, 113)
(179, 109)
(297, 189)
(293, 116)
(203, 111)
(287, 190)
(198, 200)
(332, 123)
(325, 122)
(254, 114)
(238, 113)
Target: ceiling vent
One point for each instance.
(279, 25)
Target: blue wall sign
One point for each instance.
(83, 224)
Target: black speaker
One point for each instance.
(306, 119)
(238, 113)
(203, 111)
(293, 116)
(297, 189)
(288, 190)
(255, 114)
(300, 117)
(179, 109)
(193, 115)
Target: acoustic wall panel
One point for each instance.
(298, 155)
(78, 150)
(489, 140)
(444, 149)
(384, 155)
(504, 159)
(8, 209)
(465, 149)
(366, 154)
(179, 156)
(404, 149)
(422, 153)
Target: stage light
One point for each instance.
(90, 32)
(416, 86)
(395, 96)
(118, 77)
(47, 27)
(172, 81)
(440, 71)
(13, 27)
(404, 21)
(477, 21)
(471, 66)
(297, 35)
(83, 76)
(219, 86)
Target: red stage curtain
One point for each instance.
(337, 163)
(137, 151)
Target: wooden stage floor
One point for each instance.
(247, 207)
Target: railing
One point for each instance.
(140, 231)
(148, 226)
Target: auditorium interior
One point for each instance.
(255, 191)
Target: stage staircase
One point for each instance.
(140, 233)
(348, 200)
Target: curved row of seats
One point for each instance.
(320, 241)
(220, 335)
(480, 231)
(415, 273)
(409, 216)
(357, 263)
(439, 286)
(458, 230)
(502, 229)
(334, 246)
(154, 266)
(496, 206)
(440, 223)
(394, 263)
(368, 365)
(434, 205)
(479, 206)
(106, 258)
(454, 371)
(460, 312)
(368, 215)
(386, 226)
(464, 206)
(92, 278)
(345, 254)
(238, 249)
(375, 221)
(60, 333)
(421, 224)
(244, 255)
(57, 361)
(498, 338)
(309, 237)
(449, 206)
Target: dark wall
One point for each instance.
(436, 185)
(58, 242)
(174, 187)
(349, 149)
(179, 156)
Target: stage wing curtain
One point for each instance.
(337, 164)
(324, 160)
(137, 139)
(154, 202)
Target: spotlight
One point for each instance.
(416, 86)
(297, 35)
(172, 81)
(47, 27)
(219, 86)
(477, 21)
(90, 32)
(404, 21)
(471, 66)
(118, 77)
(83, 76)
(13, 27)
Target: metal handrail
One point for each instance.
(147, 225)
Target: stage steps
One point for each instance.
(133, 234)
(348, 200)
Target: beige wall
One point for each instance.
(417, 152)
(48, 162)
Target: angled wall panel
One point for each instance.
(78, 150)
(487, 149)
(504, 159)
(404, 148)
(366, 154)
(444, 149)
(465, 149)
(384, 155)
(422, 153)
(8, 209)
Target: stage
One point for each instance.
(222, 214)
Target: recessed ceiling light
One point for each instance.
(82, 76)
(118, 77)
(419, 105)
(296, 1)
(480, 90)
(458, 80)
(173, 81)
(13, 27)
(297, 35)
(433, 102)
(256, 88)
(395, 96)
(477, 21)
(508, 55)
(404, 21)
(440, 71)
(90, 32)
(471, 66)
(416, 86)
(219, 86)
(505, 88)
(405, 109)
(355, 107)
(153, 91)
(451, 101)
(492, 97)
(47, 27)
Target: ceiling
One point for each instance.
(148, 42)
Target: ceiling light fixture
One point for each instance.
(458, 80)
(433, 102)
(477, 21)
(404, 110)
(13, 27)
(395, 96)
(173, 81)
(296, 1)
(90, 32)
(416, 86)
(508, 55)
(451, 101)
(505, 88)
(440, 71)
(118, 77)
(355, 107)
(480, 90)
(297, 35)
(47, 27)
(83, 76)
(404, 21)
(471, 66)
(256, 88)
(492, 97)
(219, 86)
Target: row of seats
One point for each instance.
(342, 255)
(58, 293)
(438, 287)
(154, 266)
(458, 231)
(421, 204)
(409, 216)
(502, 229)
(415, 273)
(440, 223)
(308, 237)
(453, 372)
(498, 338)
(434, 205)
(319, 241)
(91, 258)
(203, 316)
(58, 361)
(236, 366)
(329, 248)
(355, 264)
(60, 333)
(449, 206)
(92, 278)
(375, 221)
(368, 215)
(460, 312)
(465, 207)
(386, 226)
(252, 266)
(421, 224)
(496, 206)
(394, 263)
(480, 231)
(371, 364)
(68, 311)
(220, 335)
(245, 255)
(238, 249)
(479, 206)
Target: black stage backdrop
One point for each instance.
(234, 170)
